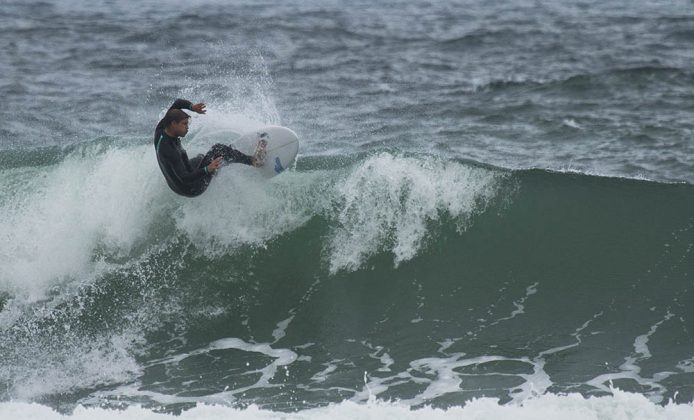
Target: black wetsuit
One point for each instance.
(189, 177)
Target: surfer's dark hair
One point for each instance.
(174, 115)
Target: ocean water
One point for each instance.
(491, 215)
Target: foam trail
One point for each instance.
(631, 370)
(519, 304)
(282, 358)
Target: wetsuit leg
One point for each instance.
(229, 154)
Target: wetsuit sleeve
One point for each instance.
(182, 104)
(179, 168)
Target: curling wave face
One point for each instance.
(389, 275)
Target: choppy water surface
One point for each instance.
(492, 211)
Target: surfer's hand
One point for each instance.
(214, 165)
(199, 108)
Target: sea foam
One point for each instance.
(619, 406)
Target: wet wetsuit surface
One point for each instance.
(189, 177)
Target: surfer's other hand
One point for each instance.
(199, 108)
(214, 165)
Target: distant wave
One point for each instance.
(593, 80)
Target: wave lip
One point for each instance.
(387, 202)
(56, 221)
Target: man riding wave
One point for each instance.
(191, 177)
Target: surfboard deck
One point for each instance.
(281, 150)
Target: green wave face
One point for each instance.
(344, 277)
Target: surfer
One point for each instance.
(190, 177)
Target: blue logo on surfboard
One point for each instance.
(278, 165)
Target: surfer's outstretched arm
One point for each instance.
(179, 103)
(200, 108)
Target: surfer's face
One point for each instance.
(180, 128)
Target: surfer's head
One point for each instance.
(176, 122)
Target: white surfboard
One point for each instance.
(281, 150)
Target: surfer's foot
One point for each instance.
(260, 152)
